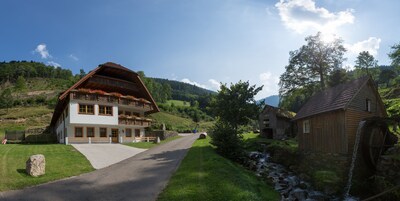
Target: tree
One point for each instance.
(234, 106)
(366, 65)
(312, 63)
(395, 55)
(337, 77)
(20, 84)
(6, 99)
(82, 73)
(309, 68)
(386, 76)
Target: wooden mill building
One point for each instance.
(275, 123)
(328, 122)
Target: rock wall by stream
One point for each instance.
(287, 183)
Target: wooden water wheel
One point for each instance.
(376, 139)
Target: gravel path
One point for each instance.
(141, 177)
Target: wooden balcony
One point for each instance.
(135, 121)
(139, 104)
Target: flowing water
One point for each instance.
(353, 160)
(290, 186)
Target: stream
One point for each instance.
(289, 185)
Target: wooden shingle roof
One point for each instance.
(332, 99)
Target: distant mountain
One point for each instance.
(271, 100)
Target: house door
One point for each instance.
(114, 135)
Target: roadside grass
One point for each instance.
(61, 161)
(148, 145)
(205, 175)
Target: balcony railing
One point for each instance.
(136, 121)
(113, 98)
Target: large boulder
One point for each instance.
(36, 165)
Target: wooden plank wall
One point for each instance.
(358, 102)
(356, 111)
(327, 133)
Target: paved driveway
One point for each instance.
(104, 155)
(141, 177)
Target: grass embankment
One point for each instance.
(253, 142)
(180, 123)
(61, 161)
(148, 145)
(178, 103)
(205, 175)
(21, 118)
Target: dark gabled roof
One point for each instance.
(280, 112)
(111, 67)
(332, 99)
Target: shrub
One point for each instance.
(228, 143)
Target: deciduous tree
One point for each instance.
(312, 63)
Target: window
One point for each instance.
(306, 126)
(128, 132)
(368, 105)
(103, 132)
(90, 132)
(105, 110)
(137, 132)
(86, 109)
(78, 132)
(127, 113)
(120, 112)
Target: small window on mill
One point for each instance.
(368, 105)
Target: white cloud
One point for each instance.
(186, 80)
(270, 83)
(73, 57)
(42, 50)
(304, 15)
(215, 85)
(371, 45)
(52, 63)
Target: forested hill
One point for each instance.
(184, 91)
(31, 83)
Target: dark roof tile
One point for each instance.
(331, 99)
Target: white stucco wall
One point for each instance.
(95, 119)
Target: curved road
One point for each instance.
(141, 177)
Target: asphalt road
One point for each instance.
(140, 178)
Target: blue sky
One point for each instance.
(202, 42)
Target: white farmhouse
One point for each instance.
(108, 105)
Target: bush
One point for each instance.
(228, 143)
(327, 179)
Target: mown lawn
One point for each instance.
(204, 175)
(148, 145)
(61, 161)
